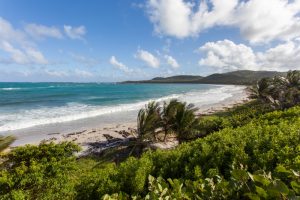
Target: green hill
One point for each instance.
(242, 77)
(181, 78)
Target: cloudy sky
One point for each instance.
(77, 40)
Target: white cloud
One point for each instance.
(113, 61)
(264, 21)
(190, 18)
(171, 61)
(162, 13)
(55, 73)
(87, 61)
(27, 56)
(41, 31)
(258, 20)
(148, 58)
(9, 33)
(83, 73)
(17, 55)
(19, 48)
(225, 55)
(69, 73)
(35, 56)
(282, 57)
(75, 32)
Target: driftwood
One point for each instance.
(98, 147)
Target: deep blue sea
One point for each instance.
(25, 105)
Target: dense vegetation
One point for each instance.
(259, 159)
(248, 152)
(221, 165)
(279, 92)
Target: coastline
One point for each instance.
(107, 134)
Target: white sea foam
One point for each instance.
(75, 111)
(33, 88)
(7, 89)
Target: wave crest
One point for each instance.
(76, 111)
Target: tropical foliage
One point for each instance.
(148, 121)
(248, 152)
(257, 160)
(173, 117)
(280, 92)
(38, 172)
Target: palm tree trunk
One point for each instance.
(155, 136)
(166, 133)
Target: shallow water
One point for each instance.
(29, 108)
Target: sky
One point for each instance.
(109, 41)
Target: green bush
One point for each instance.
(231, 118)
(265, 143)
(256, 159)
(38, 172)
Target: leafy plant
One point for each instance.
(280, 92)
(38, 172)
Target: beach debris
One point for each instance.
(124, 133)
(97, 147)
(76, 133)
(53, 133)
(108, 137)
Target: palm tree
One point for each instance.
(168, 114)
(279, 92)
(179, 118)
(5, 142)
(174, 117)
(185, 123)
(293, 79)
(148, 121)
(262, 90)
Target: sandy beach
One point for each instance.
(110, 133)
(114, 131)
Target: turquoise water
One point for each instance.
(24, 105)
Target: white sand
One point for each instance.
(84, 138)
(109, 133)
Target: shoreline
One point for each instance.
(110, 133)
(115, 130)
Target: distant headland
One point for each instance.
(241, 77)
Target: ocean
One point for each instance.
(29, 107)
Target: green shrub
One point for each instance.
(265, 143)
(256, 159)
(38, 172)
